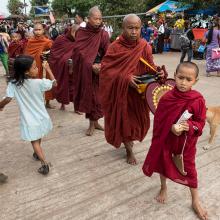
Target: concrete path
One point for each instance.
(89, 178)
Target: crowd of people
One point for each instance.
(158, 35)
(101, 79)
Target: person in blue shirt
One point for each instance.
(146, 31)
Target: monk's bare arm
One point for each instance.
(4, 102)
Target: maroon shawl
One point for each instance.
(16, 48)
(88, 42)
(126, 113)
(165, 143)
(60, 52)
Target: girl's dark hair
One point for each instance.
(22, 64)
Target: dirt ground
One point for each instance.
(89, 178)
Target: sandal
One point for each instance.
(3, 178)
(44, 169)
(35, 156)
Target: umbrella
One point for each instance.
(168, 6)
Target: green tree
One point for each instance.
(15, 6)
(62, 7)
(108, 7)
(198, 4)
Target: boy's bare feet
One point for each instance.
(162, 196)
(201, 212)
(130, 155)
(62, 107)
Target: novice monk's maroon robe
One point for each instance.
(125, 111)
(16, 48)
(89, 43)
(60, 52)
(165, 143)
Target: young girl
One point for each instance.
(28, 92)
(173, 148)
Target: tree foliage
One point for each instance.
(15, 7)
(108, 7)
(116, 7)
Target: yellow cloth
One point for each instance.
(179, 24)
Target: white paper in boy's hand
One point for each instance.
(184, 117)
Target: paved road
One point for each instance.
(89, 178)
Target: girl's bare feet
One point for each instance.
(162, 195)
(200, 212)
(130, 155)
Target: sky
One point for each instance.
(4, 3)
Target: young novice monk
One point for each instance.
(169, 139)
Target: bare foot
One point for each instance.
(98, 126)
(207, 147)
(201, 212)
(91, 129)
(79, 113)
(162, 196)
(130, 155)
(48, 105)
(62, 107)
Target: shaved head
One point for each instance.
(93, 11)
(38, 30)
(131, 27)
(95, 17)
(38, 25)
(130, 17)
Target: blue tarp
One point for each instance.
(41, 10)
(169, 6)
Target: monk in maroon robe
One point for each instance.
(125, 111)
(60, 55)
(90, 46)
(16, 47)
(170, 139)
